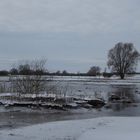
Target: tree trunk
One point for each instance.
(122, 75)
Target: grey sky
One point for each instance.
(71, 34)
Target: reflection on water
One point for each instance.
(128, 98)
(124, 92)
(120, 106)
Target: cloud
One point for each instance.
(69, 15)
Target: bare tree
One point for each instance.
(123, 58)
(95, 70)
(31, 83)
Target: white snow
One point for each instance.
(104, 128)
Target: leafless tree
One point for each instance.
(31, 83)
(95, 70)
(123, 58)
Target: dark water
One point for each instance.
(17, 117)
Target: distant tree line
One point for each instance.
(26, 70)
(15, 71)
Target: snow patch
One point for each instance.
(105, 128)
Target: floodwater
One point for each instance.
(14, 117)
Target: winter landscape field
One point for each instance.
(76, 120)
(69, 69)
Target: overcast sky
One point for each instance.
(71, 34)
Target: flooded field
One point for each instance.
(13, 117)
